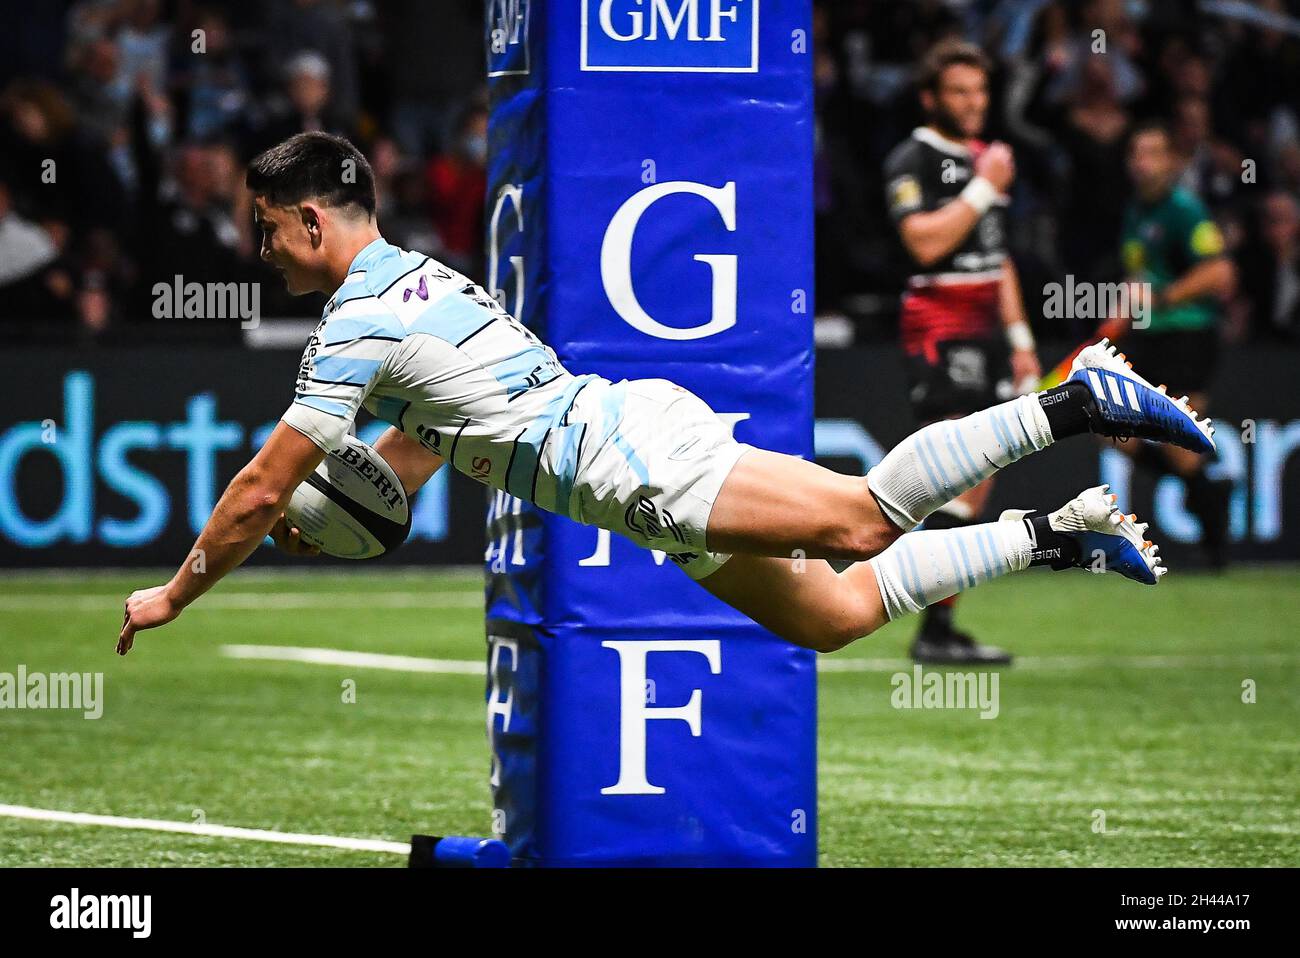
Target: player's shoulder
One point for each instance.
(1187, 205)
(1196, 225)
(405, 281)
(384, 283)
(376, 270)
(907, 157)
(907, 178)
(355, 313)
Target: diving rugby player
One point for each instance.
(464, 383)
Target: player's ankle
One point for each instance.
(1050, 548)
(1068, 409)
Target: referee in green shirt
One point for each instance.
(1171, 245)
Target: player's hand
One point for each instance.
(1025, 370)
(289, 540)
(997, 164)
(145, 609)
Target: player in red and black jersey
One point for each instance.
(963, 327)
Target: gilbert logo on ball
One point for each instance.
(353, 506)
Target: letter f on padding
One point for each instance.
(635, 712)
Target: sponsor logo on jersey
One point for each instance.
(421, 291)
(309, 356)
(681, 451)
(1206, 239)
(905, 193)
(430, 438)
(644, 517)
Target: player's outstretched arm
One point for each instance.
(413, 463)
(250, 506)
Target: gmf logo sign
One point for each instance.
(670, 36)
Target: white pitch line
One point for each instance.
(862, 665)
(212, 831)
(359, 660)
(254, 601)
(410, 663)
(1068, 662)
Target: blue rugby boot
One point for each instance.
(1126, 405)
(1089, 532)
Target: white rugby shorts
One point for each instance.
(653, 460)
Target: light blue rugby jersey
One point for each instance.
(424, 348)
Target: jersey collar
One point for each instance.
(368, 254)
(942, 144)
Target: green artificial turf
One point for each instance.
(1126, 701)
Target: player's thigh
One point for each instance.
(805, 601)
(779, 505)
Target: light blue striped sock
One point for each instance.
(938, 463)
(923, 567)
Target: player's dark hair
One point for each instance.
(317, 166)
(947, 53)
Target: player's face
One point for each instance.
(287, 245)
(961, 101)
(1150, 162)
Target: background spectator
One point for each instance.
(456, 181)
(1270, 268)
(147, 124)
(1070, 81)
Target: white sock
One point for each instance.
(957, 509)
(943, 460)
(923, 567)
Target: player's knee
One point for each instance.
(858, 542)
(835, 640)
(858, 618)
(885, 534)
(831, 635)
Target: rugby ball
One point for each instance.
(353, 506)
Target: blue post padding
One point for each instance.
(650, 215)
(460, 851)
